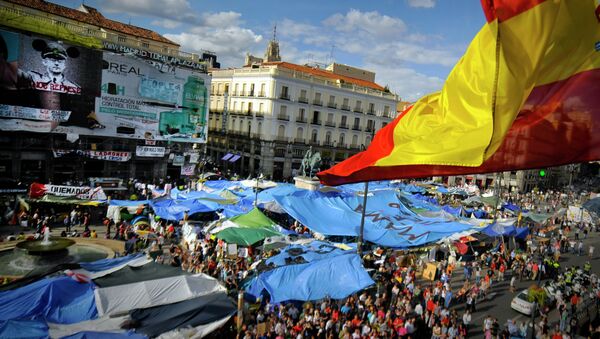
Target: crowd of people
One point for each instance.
(403, 303)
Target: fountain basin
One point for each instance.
(39, 247)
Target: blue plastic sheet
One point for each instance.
(496, 230)
(105, 264)
(59, 300)
(105, 335)
(511, 207)
(328, 272)
(452, 210)
(175, 209)
(21, 329)
(390, 220)
(128, 203)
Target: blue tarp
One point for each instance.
(59, 300)
(511, 207)
(175, 209)
(496, 230)
(128, 203)
(105, 335)
(105, 264)
(480, 214)
(327, 271)
(452, 210)
(13, 329)
(390, 219)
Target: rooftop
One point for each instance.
(92, 16)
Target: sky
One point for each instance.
(411, 45)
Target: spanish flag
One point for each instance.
(525, 95)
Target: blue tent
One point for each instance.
(311, 272)
(511, 207)
(496, 230)
(456, 211)
(175, 209)
(13, 329)
(105, 335)
(390, 220)
(127, 203)
(105, 264)
(59, 300)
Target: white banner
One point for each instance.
(99, 155)
(150, 151)
(25, 125)
(81, 192)
(20, 112)
(188, 169)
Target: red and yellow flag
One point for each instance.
(526, 94)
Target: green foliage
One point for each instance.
(537, 294)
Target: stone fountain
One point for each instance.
(46, 245)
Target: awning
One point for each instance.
(235, 158)
(227, 156)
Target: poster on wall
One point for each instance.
(74, 90)
(188, 169)
(150, 151)
(46, 80)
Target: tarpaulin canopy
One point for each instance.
(175, 209)
(10, 329)
(254, 218)
(61, 300)
(127, 203)
(593, 205)
(537, 218)
(105, 264)
(133, 274)
(496, 229)
(116, 299)
(311, 272)
(105, 335)
(389, 221)
(245, 236)
(193, 312)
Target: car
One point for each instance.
(521, 303)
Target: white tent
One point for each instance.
(122, 298)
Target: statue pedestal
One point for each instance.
(311, 184)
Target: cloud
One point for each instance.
(230, 43)
(221, 19)
(166, 23)
(409, 84)
(369, 23)
(179, 10)
(422, 3)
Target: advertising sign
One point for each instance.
(98, 155)
(46, 80)
(75, 90)
(150, 151)
(188, 169)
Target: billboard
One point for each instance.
(59, 88)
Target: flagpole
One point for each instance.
(362, 220)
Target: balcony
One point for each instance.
(344, 126)
(331, 105)
(280, 153)
(342, 145)
(303, 100)
(371, 112)
(329, 123)
(386, 115)
(328, 143)
(301, 120)
(260, 115)
(251, 94)
(299, 140)
(284, 97)
(370, 129)
(261, 94)
(315, 122)
(283, 117)
(345, 108)
(313, 142)
(354, 146)
(358, 109)
(356, 128)
(317, 102)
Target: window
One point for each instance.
(234, 108)
(284, 93)
(356, 123)
(252, 89)
(249, 127)
(243, 89)
(281, 132)
(303, 98)
(371, 108)
(331, 102)
(313, 136)
(370, 125)
(243, 106)
(241, 125)
(355, 140)
(226, 88)
(342, 137)
(261, 107)
(301, 114)
(315, 118)
(249, 107)
(262, 90)
(386, 110)
(299, 133)
(358, 107)
(283, 110)
(346, 104)
(235, 90)
(145, 45)
(318, 99)
(328, 138)
(343, 122)
(121, 38)
(259, 129)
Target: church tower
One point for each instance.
(272, 53)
